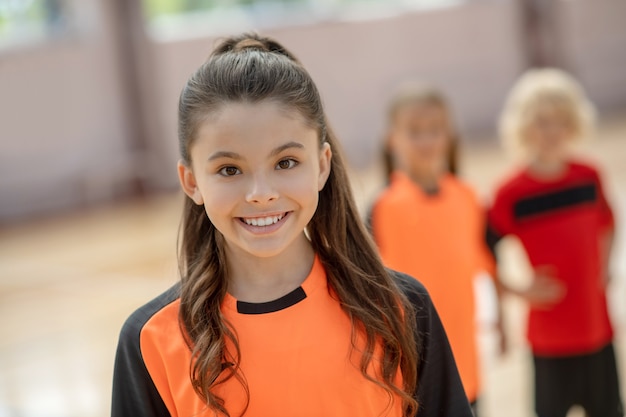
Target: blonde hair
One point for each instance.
(544, 87)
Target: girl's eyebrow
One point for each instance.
(275, 151)
(288, 145)
(224, 154)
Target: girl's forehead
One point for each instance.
(237, 110)
(552, 109)
(252, 127)
(238, 116)
(421, 111)
(420, 105)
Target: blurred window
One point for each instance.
(27, 21)
(169, 19)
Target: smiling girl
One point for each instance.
(283, 307)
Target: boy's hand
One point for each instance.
(544, 290)
(503, 343)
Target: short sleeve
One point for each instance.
(134, 393)
(607, 219)
(499, 221)
(440, 392)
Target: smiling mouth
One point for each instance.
(263, 221)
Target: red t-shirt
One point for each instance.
(560, 223)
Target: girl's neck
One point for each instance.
(427, 181)
(547, 169)
(261, 279)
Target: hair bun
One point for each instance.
(254, 42)
(250, 43)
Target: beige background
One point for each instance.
(75, 260)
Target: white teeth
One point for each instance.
(263, 221)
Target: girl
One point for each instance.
(555, 205)
(428, 223)
(284, 308)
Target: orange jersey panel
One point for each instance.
(291, 359)
(296, 358)
(439, 239)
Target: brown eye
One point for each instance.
(229, 171)
(286, 164)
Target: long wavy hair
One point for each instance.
(253, 69)
(424, 95)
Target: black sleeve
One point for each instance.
(440, 392)
(492, 237)
(134, 393)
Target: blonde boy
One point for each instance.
(555, 205)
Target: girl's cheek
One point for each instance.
(297, 184)
(224, 191)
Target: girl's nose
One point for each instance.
(261, 190)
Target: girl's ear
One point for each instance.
(326, 155)
(188, 182)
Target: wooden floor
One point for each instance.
(68, 283)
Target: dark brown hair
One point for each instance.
(410, 94)
(254, 69)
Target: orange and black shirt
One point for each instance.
(296, 357)
(560, 223)
(438, 238)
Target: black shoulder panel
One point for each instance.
(440, 392)
(134, 393)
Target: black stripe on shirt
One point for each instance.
(556, 200)
(492, 237)
(281, 303)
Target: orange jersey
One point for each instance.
(440, 240)
(325, 370)
(296, 356)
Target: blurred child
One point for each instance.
(284, 307)
(556, 206)
(428, 223)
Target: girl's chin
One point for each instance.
(269, 250)
(266, 254)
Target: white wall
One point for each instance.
(64, 138)
(593, 35)
(62, 125)
(472, 51)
